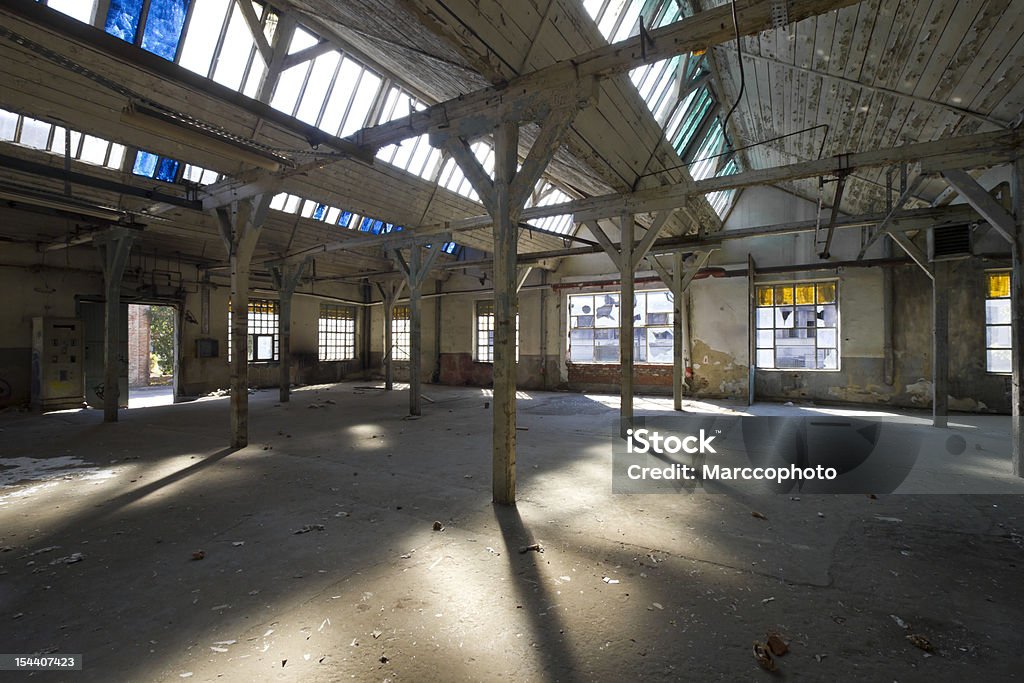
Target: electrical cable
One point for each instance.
(739, 57)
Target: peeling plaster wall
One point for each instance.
(34, 287)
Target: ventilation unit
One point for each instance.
(949, 242)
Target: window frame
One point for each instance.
(668, 325)
(774, 327)
(988, 325)
(484, 352)
(336, 332)
(401, 331)
(267, 325)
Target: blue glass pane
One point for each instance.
(167, 170)
(449, 247)
(377, 226)
(398, 228)
(345, 218)
(123, 19)
(318, 213)
(145, 164)
(163, 27)
(365, 225)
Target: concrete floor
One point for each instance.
(372, 593)
(148, 397)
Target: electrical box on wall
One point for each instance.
(207, 348)
(58, 363)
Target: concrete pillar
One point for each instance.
(506, 144)
(286, 279)
(114, 246)
(940, 344)
(626, 323)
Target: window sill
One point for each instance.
(799, 369)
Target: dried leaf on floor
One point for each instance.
(776, 644)
(758, 515)
(438, 526)
(198, 555)
(763, 656)
(920, 641)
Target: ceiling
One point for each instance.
(870, 76)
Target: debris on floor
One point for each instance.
(610, 580)
(763, 656)
(920, 641)
(758, 515)
(309, 527)
(438, 526)
(776, 644)
(198, 555)
(537, 547)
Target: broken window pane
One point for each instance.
(998, 285)
(794, 330)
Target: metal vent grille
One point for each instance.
(953, 241)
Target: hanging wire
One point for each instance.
(739, 57)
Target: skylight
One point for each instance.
(674, 89)
(45, 136)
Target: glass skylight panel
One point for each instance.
(307, 209)
(236, 52)
(289, 86)
(123, 19)
(57, 143)
(318, 84)
(202, 176)
(301, 40)
(116, 157)
(721, 200)
(157, 167)
(547, 194)
(8, 124)
(706, 161)
(203, 34)
(163, 27)
(94, 150)
(34, 133)
(83, 10)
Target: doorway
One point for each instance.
(151, 354)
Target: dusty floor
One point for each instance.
(372, 593)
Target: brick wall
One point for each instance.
(138, 346)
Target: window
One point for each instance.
(798, 326)
(161, 32)
(594, 327)
(57, 140)
(153, 166)
(485, 321)
(337, 329)
(400, 333)
(262, 331)
(998, 356)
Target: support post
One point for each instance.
(390, 293)
(415, 331)
(506, 216)
(626, 270)
(240, 223)
(1017, 318)
(114, 246)
(751, 329)
(677, 331)
(286, 278)
(940, 344)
